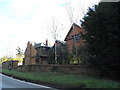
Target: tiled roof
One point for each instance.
(37, 45)
(62, 42)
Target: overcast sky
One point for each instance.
(28, 20)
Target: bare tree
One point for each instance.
(75, 11)
(70, 12)
(55, 28)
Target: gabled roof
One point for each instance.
(37, 45)
(71, 30)
(28, 44)
(61, 42)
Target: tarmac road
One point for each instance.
(9, 82)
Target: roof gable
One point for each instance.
(73, 25)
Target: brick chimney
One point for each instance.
(46, 42)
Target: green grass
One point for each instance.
(69, 80)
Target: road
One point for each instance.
(9, 82)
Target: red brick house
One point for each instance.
(73, 38)
(36, 53)
(29, 54)
(42, 53)
(60, 46)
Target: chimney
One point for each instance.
(46, 42)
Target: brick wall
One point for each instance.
(7, 63)
(75, 69)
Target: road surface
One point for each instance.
(9, 82)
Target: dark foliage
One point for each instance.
(51, 56)
(102, 26)
(62, 56)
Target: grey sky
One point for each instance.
(26, 20)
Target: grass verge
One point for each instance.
(57, 79)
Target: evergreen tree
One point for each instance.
(102, 26)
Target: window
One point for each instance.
(76, 38)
